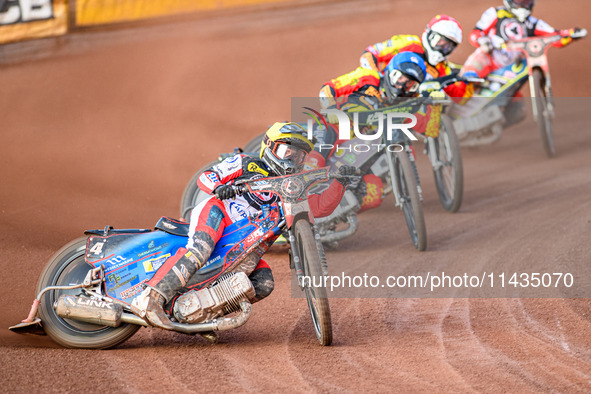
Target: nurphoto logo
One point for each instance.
(344, 129)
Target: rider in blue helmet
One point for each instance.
(364, 89)
(402, 76)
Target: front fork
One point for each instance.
(548, 90)
(431, 150)
(296, 260)
(395, 189)
(393, 177)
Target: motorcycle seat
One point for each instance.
(173, 226)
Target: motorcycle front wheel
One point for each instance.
(543, 118)
(314, 281)
(404, 181)
(448, 169)
(193, 196)
(68, 267)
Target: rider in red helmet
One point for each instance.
(441, 36)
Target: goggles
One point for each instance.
(288, 152)
(528, 4)
(442, 44)
(401, 81)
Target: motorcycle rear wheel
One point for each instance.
(316, 295)
(193, 195)
(405, 182)
(543, 118)
(68, 267)
(449, 177)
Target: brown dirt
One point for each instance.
(109, 129)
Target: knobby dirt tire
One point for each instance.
(193, 196)
(449, 178)
(67, 267)
(543, 115)
(312, 268)
(405, 181)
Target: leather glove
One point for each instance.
(333, 119)
(352, 181)
(348, 170)
(426, 88)
(437, 95)
(497, 42)
(578, 33)
(224, 192)
(485, 44)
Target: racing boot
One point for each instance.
(172, 276)
(210, 336)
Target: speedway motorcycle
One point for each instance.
(86, 290)
(481, 120)
(443, 147)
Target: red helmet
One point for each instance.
(440, 38)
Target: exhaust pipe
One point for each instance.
(111, 314)
(339, 235)
(88, 310)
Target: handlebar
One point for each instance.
(243, 186)
(441, 83)
(536, 45)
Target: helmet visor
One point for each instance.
(289, 152)
(403, 82)
(527, 4)
(442, 44)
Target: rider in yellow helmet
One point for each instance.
(283, 152)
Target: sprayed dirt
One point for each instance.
(109, 127)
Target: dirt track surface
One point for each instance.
(110, 129)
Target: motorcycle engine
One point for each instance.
(220, 299)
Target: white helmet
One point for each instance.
(520, 8)
(440, 38)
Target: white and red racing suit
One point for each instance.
(499, 25)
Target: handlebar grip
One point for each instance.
(581, 33)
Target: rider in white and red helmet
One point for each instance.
(441, 36)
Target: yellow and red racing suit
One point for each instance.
(376, 57)
(358, 89)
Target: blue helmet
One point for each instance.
(403, 75)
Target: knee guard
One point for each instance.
(262, 281)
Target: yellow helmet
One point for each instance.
(284, 148)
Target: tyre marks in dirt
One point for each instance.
(524, 214)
